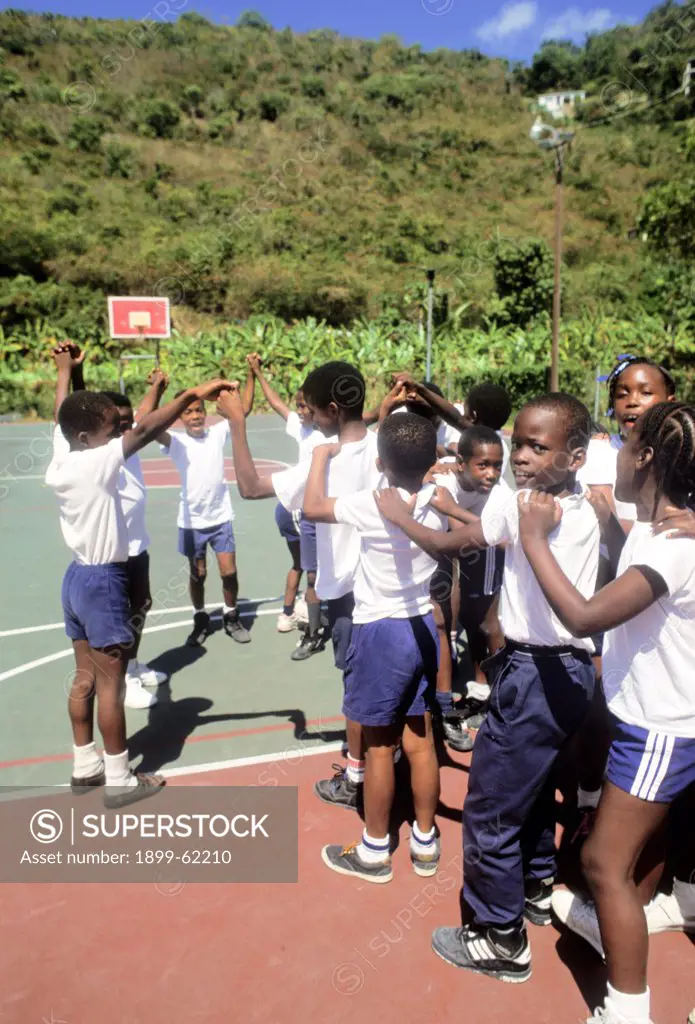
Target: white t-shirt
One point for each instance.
(600, 469)
(337, 545)
(91, 518)
(525, 615)
(470, 501)
(393, 575)
(306, 435)
(131, 487)
(648, 662)
(204, 500)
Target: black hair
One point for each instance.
(83, 412)
(122, 401)
(336, 382)
(669, 429)
(431, 386)
(491, 405)
(474, 436)
(575, 415)
(407, 444)
(623, 364)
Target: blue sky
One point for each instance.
(512, 30)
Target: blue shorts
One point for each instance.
(648, 764)
(339, 612)
(96, 605)
(192, 542)
(391, 670)
(481, 572)
(307, 545)
(286, 524)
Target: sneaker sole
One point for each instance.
(377, 879)
(511, 979)
(687, 929)
(425, 870)
(563, 926)
(80, 787)
(331, 803)
(540, 919)
(127, 798)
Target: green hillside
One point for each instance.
(246, 171)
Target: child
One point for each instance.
(542, 685)
(95, 586)
(131, 488)
(391, 664)
(300, 541)
(488, 405)
(334, 394)
(477, 471)
(649, 615)
(205, 517)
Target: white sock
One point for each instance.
(588, 799)
(229, 611)
(423, 842)
(86, 761)
(479, 691)
(373, 851)
(118, 771)
(355, 770)
(634, 1008)
(685, 897)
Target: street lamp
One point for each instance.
(430, 300)
(547, 137)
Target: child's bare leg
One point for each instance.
(294, 577)
(109, 666)
(226, 560)
(81, 695)
(623, 826)
(198, 570)
(418, 745)
(313, 604)
(379, 777)
(442, 619)
(140, 604)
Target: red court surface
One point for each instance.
(163, 473)
(328, 949)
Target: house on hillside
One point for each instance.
(561, 104)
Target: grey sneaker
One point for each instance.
(502, 954)
(427, 864)
(339, 791)
(346, 861)
(538, 900)
(233, 627)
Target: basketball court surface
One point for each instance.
(326, 949)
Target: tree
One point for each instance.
(252, 19)
(85, 133)
(667, 218)
(557, 65)
(159, 118)
(524, 282)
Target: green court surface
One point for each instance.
(222, 702)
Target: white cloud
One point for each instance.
(510, 19)
(575, 24)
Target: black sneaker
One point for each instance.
(456, 734)
(200, 631)
(339, 791)
(231, 623)
(537, 901)
(347, 861)
(307, 646)
(505, 955)
(472, 710)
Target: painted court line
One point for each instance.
(262, 730)
(261, 463)
(243, 762)
(160, 611)
(12, 672)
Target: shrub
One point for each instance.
(85, 134)
(271, 105)
(118, 160)
(313, 87)
(158, 118)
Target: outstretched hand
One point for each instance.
(255, 362)
(676, 522)
(229, 403)
(68, 355)
(212, 389)
(392, 506)
(158, 379)
(539, 515)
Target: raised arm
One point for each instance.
(396, 396)
(616, 603)
(393, 508)
(158, 382)
(157, 422)
(250, 484)
(248, 394)
(68, 359)
(448, 412)
(272, 397)
(317, 506)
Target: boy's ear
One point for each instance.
(577, 458)
(459, 460)
(644, 458)
(83, 438)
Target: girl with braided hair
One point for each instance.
(648, 613)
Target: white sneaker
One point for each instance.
(147, 676)
(136, 696)
(580, 917)
(301, 612)
(665, 915)
(691, 1018)
(286, 623)
(607, 1014)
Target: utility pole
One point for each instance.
(559, 197)
(430, 301)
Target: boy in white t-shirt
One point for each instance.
(299, 534)
(131, 488)
(334, 393)
(542, 686)
(95, 587)
(391, 664)
(205, 517)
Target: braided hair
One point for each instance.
(669, 430)
(626, 361)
